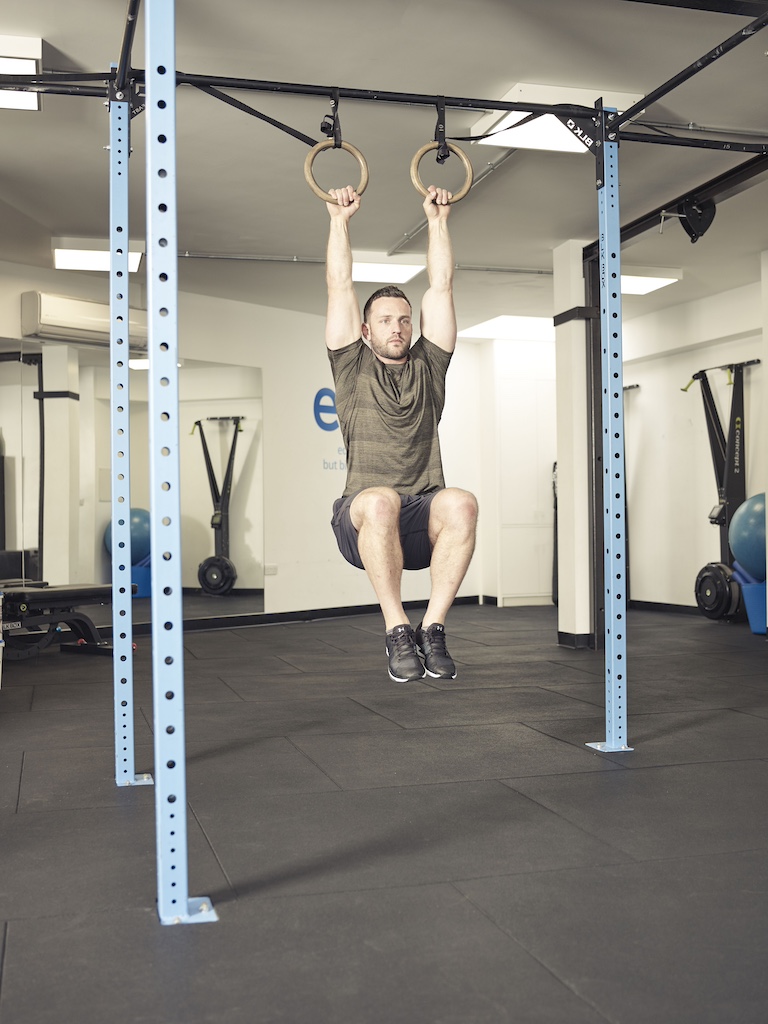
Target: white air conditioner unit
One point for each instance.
(58, 318)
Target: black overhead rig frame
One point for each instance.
(123, 77)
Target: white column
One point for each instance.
(573, 523)
(61, 540)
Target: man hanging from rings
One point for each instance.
(396, 512)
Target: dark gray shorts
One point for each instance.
(414, 530)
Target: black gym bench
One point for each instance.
(33, 613)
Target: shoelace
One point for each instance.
(437, 642)
(403, 643)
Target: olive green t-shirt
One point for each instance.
(389, 416)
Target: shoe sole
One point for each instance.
(410, 679)
(439, 675)
(405, 679)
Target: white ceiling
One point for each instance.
(241, 189)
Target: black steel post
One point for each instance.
(693, 69)
(124, 64)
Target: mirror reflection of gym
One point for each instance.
(67, 506)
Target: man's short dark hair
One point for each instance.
(389, 291)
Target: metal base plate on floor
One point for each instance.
(199, 910)
(605, 747)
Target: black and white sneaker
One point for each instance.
(437, 660)
(403, 655)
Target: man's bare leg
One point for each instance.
(375, 514)
(452, 530)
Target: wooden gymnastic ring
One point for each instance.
(310, 178)
(417, 183)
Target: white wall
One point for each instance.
(670, 477)
(519, 417)
(497, 436)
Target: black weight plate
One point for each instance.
(216, 575)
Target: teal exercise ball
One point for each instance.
(139, 527)
(746, 535)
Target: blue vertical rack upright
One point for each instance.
(174, 904)
(613, 490)
(119, 343)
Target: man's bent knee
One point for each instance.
(376, 506)
(453, 507)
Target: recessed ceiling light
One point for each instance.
(91, 254)
(513, 328)
(20, 55)
(546, 132)
(380, 268)
(634, 285)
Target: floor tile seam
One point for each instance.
(570, 743)
(548, 968)
(299, 699)
(20, 783)
(312, 761)
(619, 850)
(342, 891)
(212, 848)
(3, 954)
(748, 712)
(225, 683)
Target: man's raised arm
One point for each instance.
(438, 316)
(343, 322)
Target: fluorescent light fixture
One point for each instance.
(642, 280)
(20, 55)
(377, 267)
(91, 254)
(513, 328)
(138, 364)
(545, 132)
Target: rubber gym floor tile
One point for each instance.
(56, 779)
(302, 685)
(673, 737)
(678, 941)
(218, 643)
(758, 710)
(335, 661)
(201, 686)
(252, 663)
(210, 725)
(53, 667)
(392, 957)
(516, 659)
(414, 835)
(62, 861)
(81, 696)
(15, 698)
(10, 779)
(651, 698)
(487, 670)
(255, 766)
(474, 707)
(44, 729)
(682, 810)
(411, 757)
(669, 665)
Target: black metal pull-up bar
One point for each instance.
(693, 69)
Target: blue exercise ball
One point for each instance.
(746, 535)
(139, 526)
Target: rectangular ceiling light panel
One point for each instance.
(20, 55)
(545, 132)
